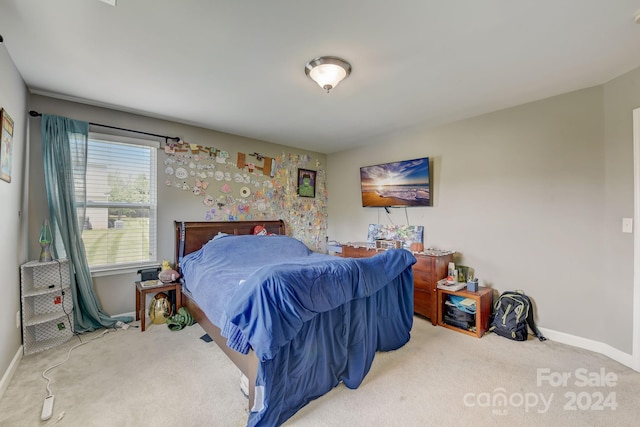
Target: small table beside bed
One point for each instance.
(295, 322)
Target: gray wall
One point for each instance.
(621, 97)
(13, 98)
(531, 196)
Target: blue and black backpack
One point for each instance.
(513, 316)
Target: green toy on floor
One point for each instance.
(179, 320)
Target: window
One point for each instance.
(119, 225)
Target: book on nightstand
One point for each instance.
(149, 283)
(443, 284)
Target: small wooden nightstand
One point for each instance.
(141, 301)
(484, 307)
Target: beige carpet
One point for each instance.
(440, 378)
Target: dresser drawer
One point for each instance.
(424, 303)
(424, 264)
(357, 252)
(425, 281)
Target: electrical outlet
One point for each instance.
(18, 319)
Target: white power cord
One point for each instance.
(47, 408)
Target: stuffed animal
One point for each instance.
(168, 274)
(259, 230)
(160, 308)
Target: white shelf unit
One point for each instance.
(47, 305)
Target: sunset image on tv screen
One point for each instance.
(404, 183)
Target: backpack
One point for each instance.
(513, 315)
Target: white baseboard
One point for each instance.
(587, 344)
(130, 314)
(6, 378)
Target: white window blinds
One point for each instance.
(119, 226)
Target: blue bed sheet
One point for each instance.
(312, 319)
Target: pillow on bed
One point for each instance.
(255, 249)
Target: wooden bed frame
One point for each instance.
(196, 234)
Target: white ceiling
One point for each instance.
(237, 66)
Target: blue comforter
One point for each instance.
(312, 319)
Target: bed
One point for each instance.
(295, 322)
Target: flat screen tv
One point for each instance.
(397, 184)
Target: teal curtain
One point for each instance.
(64, 151)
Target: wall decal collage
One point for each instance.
(254, 187)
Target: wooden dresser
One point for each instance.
(358, 250)
(426, 272)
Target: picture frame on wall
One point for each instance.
(6, 145)
(306, 183)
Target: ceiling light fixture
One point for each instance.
(327, 71)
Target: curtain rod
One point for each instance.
(33, 113)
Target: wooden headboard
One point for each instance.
(197, 233)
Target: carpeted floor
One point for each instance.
(440, 378)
